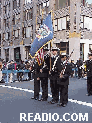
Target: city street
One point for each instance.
(15, 98)
(40, 38)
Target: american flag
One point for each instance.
(40, 57)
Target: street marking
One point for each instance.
(31, 91)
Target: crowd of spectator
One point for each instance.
(78, 69)
(13, 65)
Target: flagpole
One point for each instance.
(52, 17)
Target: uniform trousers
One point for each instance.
(63, 93)
(54, 89)
(44, 85)
(36, 88)
(89, 85)
(79, 73)
(29, 75)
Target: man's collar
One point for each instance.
(54, 56)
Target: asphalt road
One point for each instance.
(16, 105)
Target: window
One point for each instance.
(63, 46)
(28, 32)
(67, 23)
(82, 22)
(28, 1)
(55, 25)
(13, 20)
(17, 17)
(7, 9)
(27, 49)
(18, 3)
(61, 3)
(64, 23)
(90, 24)
(86, 22)
(17, 34)
(24, 15)
(45, 6)
(7, 35)
(0, 53)
(14, 4)
(7, 54)
(83, 2)
(59, 24)
(29, 14)
(0, 39)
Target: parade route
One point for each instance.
(15, 98)
(31, 91)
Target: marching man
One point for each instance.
(54, 73)
(89, 75)
(63, 81)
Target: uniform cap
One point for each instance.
(46, 48)
(89, 54)
(72, 60)
(63, 54)
(55, 48)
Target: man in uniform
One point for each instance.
(44, 71)
(79, 65)
(63, 80)
(36, 71)
(89, 74)
(54, 73)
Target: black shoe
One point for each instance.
(37, 98)
(59, 104)
(56, 101)
(88, 94)
(32, 98)
(43, 99)
(51, 101)
(64, 105)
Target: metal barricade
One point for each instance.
(14, 72)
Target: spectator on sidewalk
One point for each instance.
(11, 67)
(72, 65)
(79, 65)
(0, 71)
(20, 66)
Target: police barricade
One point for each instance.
(76, 72)
(14, 72)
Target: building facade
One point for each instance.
(0, 28)
(21, 18)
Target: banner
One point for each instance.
(43, 36)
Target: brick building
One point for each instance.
(20, 19)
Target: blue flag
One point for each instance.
(44, 35)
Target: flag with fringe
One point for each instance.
(43, 36)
